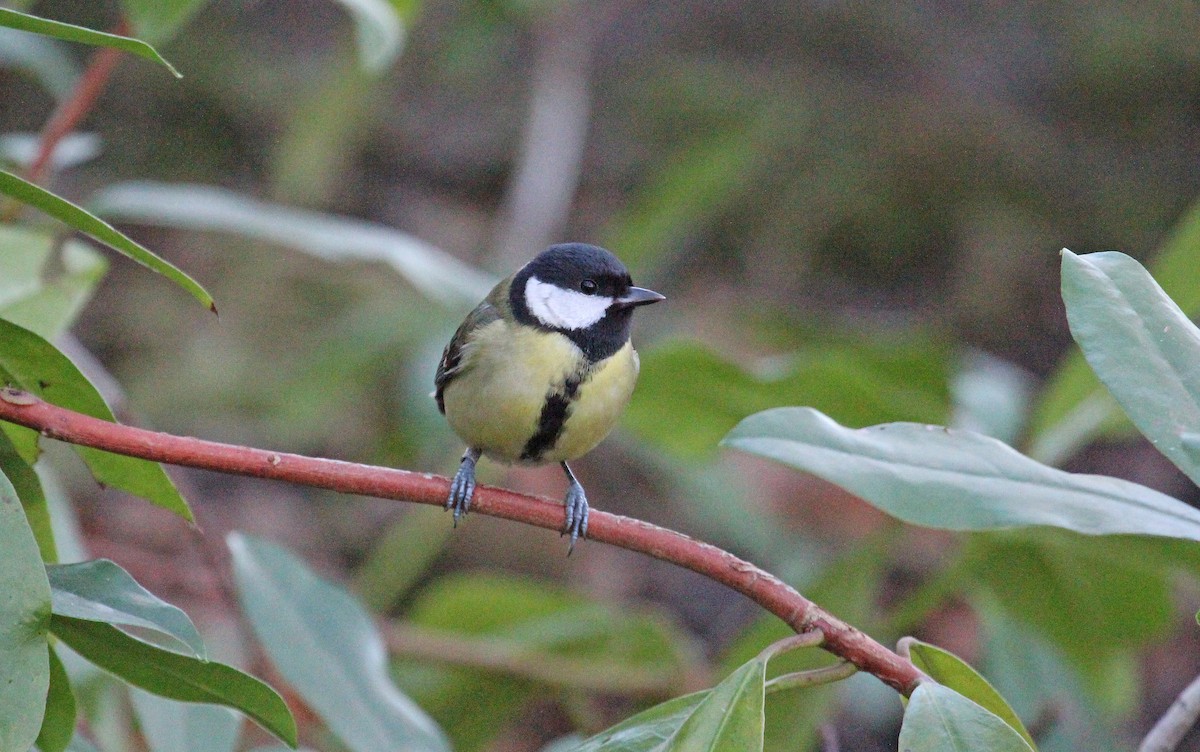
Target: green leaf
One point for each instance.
(951, 671)
(591, 644)
(1096, 600)
(23, 255)
(648, 730)
(42, 60)
(24, 652)
(94, 227)
(160, 20)
(1073, 407)
(327, 648)
(849, 587)
(401, 556)
(991, 397)
(957, 480)
(328, 124)
(71, 33)
(378, 30)
(33, 498)
(730, 717)
(692, 185)
(727, 717)
(175, 676)
(34, 298)
(24, 440)
(938, 719)
(58, 725)
(101, 591)
(432, 271)
(856, 383)
(1120, 316)
(63, 518)
(38, 367)
(171, 726)
(1033, 675)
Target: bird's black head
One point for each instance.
(582, 291)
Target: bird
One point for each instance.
(540, 371)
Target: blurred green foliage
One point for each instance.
(840, 201)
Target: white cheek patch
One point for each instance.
(563, 309)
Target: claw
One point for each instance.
(462, 488)
(577, 510)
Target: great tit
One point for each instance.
(540, 371)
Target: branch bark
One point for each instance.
(768, 591)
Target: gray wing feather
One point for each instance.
(453, 363)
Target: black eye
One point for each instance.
(588, 286)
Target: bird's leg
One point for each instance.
(462, 488)
(577, 510)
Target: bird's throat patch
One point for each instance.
(552, 419)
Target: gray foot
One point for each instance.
(577, 510)
(462, 488)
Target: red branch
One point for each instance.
(73, 109)
(762, 587)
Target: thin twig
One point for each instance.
(829, 738)
(74, 108)
(1176, 722)
(763, 588)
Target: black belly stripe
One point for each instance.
(552, 419)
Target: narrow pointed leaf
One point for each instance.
(58, 725)
(35, 365)
(1072, 408)
(24, 652)
(432, 271)
(731, 717)
(171, 726)
(958, 480)
(325, 645)
(728, 716)
(30, 297)
(175, 676)
(1140, 344)
(72, 33)
(101, 591)
(33, 498)
(159, 20)
(938, 719)
(951, 671)
(648, 730)
(96, 228)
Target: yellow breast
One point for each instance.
(601, 400)
(496, 403)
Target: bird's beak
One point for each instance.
(638, 296)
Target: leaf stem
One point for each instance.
(812, 678)
(765, 589)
